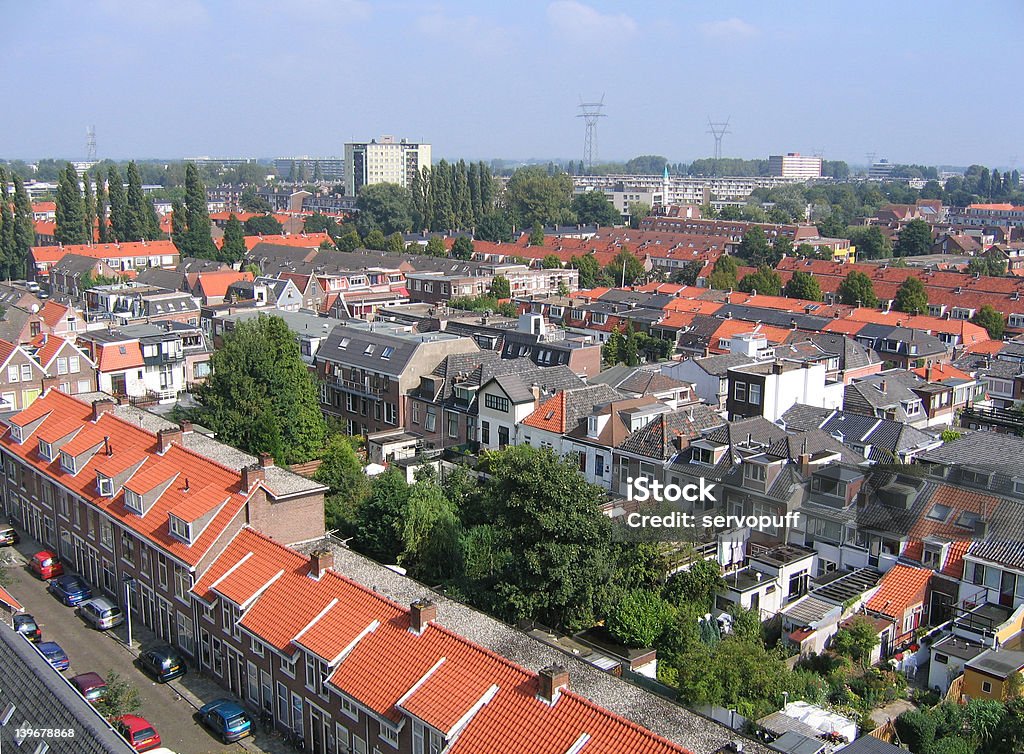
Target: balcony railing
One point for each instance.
(360, 387)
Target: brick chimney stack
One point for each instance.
(319, 562)
(102, 406)
(165, 437)
(421, 612)
(551, 680)
(252, 474)
(266, 460)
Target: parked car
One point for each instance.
(164, 663)
(8, 535)
(46, 565)
(90, 685)
(137, 732)
(55, 654)
(26, 625)
(70, 589)
(227, 718)
(101, 613)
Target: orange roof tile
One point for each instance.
(550, 415)
(6, 349)
(731, 327)
(114, 357)
(8, 599)
(940, 372)
(901, 588)
(217, 283)
(53, 313)
(217, 481)
(54, 254)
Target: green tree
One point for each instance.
(631, 347)
(754, 248)
(589, 269)
(688, 273)
(991, 320)
(551, 262)
(765, 281)
(871, 242)
(376, 240)
(637, 212)
(532, 197)
(197, 240)
(915, 239)
(640, 618)
(435, 247)
(24, 229)
(179, 223)
(723, 274)
(71, 227)
(262, 225)
(261, 397)
(350, 241)
(593, 208)
(386, 207)
(251, 201)
(494, 227)
(120, 698)
(320, 223)
(102, 220)
(141, 220)
(911, 297)
(614, 349)
(380, 517)
(500, 287)
(546, 513)
(857, 290)
(782, 247)
(698, 584)
(118, 205)
(537, 235)
(431, 534)
(625, 268)
(394, 243)
(856, 640)
(232, 248)
(802, 285)
(463, 249)
(88, 202)
(342, 471)
(916, 730)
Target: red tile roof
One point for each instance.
(198, 482)
(960, 501)
(114, 357)
(6, 349)
(217, 283)
(54, 254)
(53, 313)
(437, 676)
(901, 588)
(8, 599)
(302, 240)
(550, 415)
(731, 327)
(940, 372)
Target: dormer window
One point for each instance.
(592, 426)
(755, 472)
(133, 501)
(104, 485)
(16, 434)
(46, 450)
(181, 529)
(67, 463)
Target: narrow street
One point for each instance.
(168, 707)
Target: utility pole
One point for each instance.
(718, 130)
(590, 112)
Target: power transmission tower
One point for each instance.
(590, 112)
(718, 130)
(90, 144)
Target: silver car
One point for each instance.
(101, 613)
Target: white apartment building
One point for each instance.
(795, 165)
(383, 161)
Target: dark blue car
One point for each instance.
(226, 718)
(55, 655)
(70, 589)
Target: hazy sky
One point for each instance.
(931, 82)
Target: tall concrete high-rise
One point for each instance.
(386, 160)
(795, 165)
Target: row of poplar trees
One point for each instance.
(108, 213)
(451, 195)
(17, 230)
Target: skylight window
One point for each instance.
(939, 512)
(386, 353)
(344, 343)
(369, 350)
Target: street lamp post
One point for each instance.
(129, 582)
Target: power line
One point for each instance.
(718, 130)
(90, 144)
(590, 112)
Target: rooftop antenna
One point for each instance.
(90, 144)
(590, 112)
(718, 130)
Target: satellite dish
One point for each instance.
(34, 308)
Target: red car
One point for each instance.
(46, 565)
(138, 732)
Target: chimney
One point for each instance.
(550, 682)
(251, 475)
(266, 460)
(107, 448)
(777, 367)
(421, 612)
(186, 427)
(101, 407)
(319, 561)
(805, 463)
(165, 437)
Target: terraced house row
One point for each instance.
(350, 654)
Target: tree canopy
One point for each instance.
(765, 281)
(71, 227)
(723, 274)
(802, 285)
(261, 397)
(991, 320)
(533, 197)
(857, 290)
(593, 208)
(911, 297)
(915, 239)
(386, 207)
